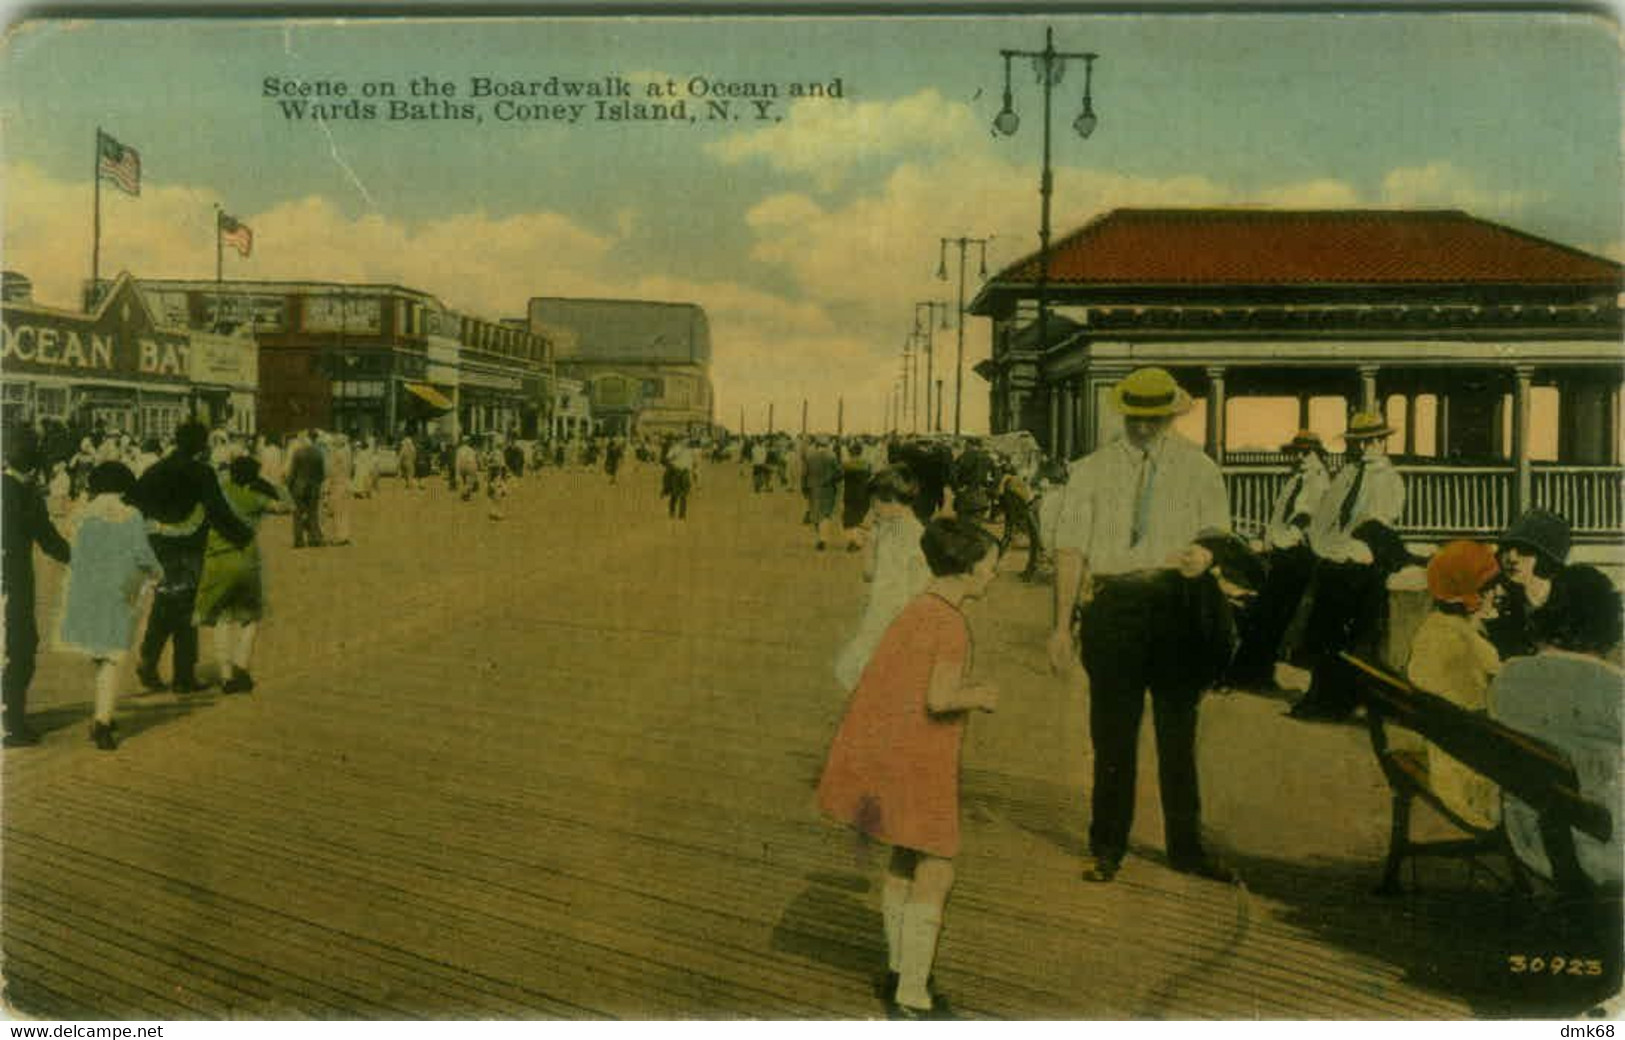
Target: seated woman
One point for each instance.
(1568, 695)
(1533, 551)
(1451, 657)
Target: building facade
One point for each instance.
(374, 360)
(646, 365)
(117, 368)
(1495, 353)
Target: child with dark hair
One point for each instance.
(112, 562)
(1452, 657)
(893, 566)
(893, 767)
(231, 594)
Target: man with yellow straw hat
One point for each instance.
(1346, 600)
(1130, 521)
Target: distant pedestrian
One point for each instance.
(822, 475)
(25, 524)
(893, 767)
(231, 595)
(467, 466)
(307, 474)
(855, 498)
(679, 477)
(761, 466)
(612, 457)
(337, 492)
(112, 562)
(407, 459)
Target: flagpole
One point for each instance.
(219, 271)
(96, 221)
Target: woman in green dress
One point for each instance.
(231, 594)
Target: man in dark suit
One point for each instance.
(25, 524)
(307, 472)
(181, 499)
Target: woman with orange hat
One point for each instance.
(1451, 657)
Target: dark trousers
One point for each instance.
(307, 521)
(677, 502)
(22, 648)
(1346, 606)
(172, 606)
(1140, 634)
(1265, 624)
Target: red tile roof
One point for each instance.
(1307, 247)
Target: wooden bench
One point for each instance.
(1530, 770)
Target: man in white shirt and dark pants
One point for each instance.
(1345, 601)
(1128, 527)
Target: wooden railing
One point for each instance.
(1462, 501)
(1589, 497)
(1444, 501)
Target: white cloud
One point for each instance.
(1316, 194)
(1443, 184)
(825, 138)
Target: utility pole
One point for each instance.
(942, 275)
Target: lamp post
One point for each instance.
(1050, 66)
(942, 275)
(931, 308)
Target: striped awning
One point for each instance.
(429, 396)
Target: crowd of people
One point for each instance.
(1155, 597)
(168, 531)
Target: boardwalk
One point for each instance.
(561, 766)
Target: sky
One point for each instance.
(808, 236)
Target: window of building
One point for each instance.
(50, 402)
(653, 388)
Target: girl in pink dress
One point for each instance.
(893, 768)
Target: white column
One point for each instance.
(1215, 414)
(1368, 388)
(1524, 375)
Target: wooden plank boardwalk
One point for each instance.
(561, 765)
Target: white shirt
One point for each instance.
(1187, 496)
(1381, 498)
(758, 454)
(1302, 495)
(681, 457)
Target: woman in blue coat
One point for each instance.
(112, 563)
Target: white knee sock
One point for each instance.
(893, 896)
(245, 645)
(222, 648)
(106, 690)
(922, 923)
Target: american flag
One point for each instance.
(236, 234)
(119, 164)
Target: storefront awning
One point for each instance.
(429, 396)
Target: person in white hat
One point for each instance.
(1345, 605)
(1130, 520)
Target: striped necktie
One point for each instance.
(1346, 514)
(1142, 499)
